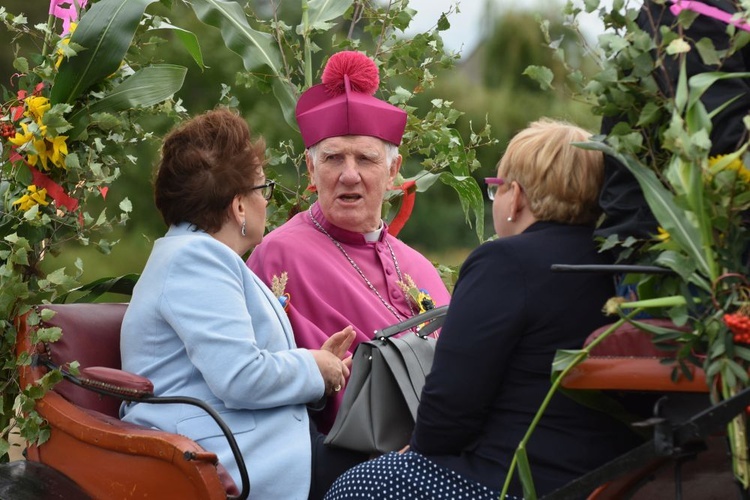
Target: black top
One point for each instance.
(627, 213)
(508, 315)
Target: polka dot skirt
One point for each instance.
(407, 476)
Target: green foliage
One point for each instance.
(663, 139)
(64, 121)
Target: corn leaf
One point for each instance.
(146, 87)
(701, 82)
(254, 47)
(189, 41)
(524, 474)
(672, 218)
(322, 11)
(106, 31)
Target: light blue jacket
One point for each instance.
(201, 324)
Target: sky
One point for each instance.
(465, 29)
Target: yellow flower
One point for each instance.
(735, 165)
(36, 106)
(40, 145)
(22, 138)
(65, 41)
(33, 197)
(662, 234)
(59, 149)
(42, 148)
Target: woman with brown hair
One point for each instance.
(201, 324)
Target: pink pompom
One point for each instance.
(361, 70)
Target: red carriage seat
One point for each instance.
(106, 457)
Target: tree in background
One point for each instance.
(489, 86)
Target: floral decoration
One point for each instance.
(700, 201)
(69, 121)
(418, 297)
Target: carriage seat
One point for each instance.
(106, 457)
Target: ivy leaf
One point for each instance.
(126, 205)
(678, 46)
(708, 52)
(58, 277)
(540, 74)
(51, 334)
(471, 199)
(649, 114)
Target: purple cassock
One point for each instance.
(335, 277)
(327, 293)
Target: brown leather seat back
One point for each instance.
(91, 336)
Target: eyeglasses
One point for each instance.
(493, 183)
(267, 189)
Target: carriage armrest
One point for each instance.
(628, 360)
(117, 381)
(632, 374)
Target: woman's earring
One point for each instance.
(510, 219)
(242, 230)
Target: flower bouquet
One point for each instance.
(68, 124)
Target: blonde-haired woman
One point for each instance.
(508, 315)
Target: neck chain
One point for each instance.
(398, 316)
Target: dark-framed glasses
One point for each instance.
(493, 183)
(266, 189)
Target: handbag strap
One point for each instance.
(417, 354)
(435, 317)
(401, 367)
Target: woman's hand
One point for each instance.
(334, 370)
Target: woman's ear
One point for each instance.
(237, 209)
(517, 200)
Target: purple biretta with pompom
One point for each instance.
(344, 103)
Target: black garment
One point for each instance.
(508, 315)
(328, 463)
(621, 199)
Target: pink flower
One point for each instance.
(67, 10)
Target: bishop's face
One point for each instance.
(352, 174)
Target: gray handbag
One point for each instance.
(379, 407)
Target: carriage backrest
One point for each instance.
(91, 336)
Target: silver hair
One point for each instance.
(391, 152)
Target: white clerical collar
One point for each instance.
(374, 235)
